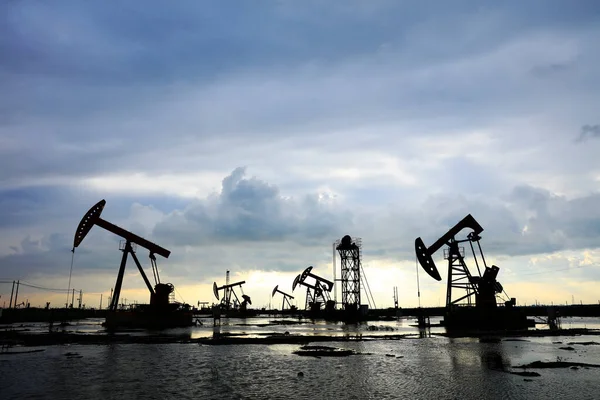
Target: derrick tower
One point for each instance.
(350, 251)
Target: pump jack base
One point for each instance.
(473, 318)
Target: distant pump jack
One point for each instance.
(317, 293)
(227, 302)
(286, 298)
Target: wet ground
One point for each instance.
(261, 326)
(406, 367)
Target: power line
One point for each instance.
(179, 294)
(24, 283)
(70, 272)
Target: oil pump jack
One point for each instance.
(483, 288)
(159, 313)
(286, 298)
(227, 302)
(317, 293)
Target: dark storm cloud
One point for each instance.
(83, 48)
(250, 210)
(589, 132)
(94, 89)
(51, 255)
(535, 221)
(527, 221)
(250, 224)
(26, 207)
(42, 222)
(559, 222)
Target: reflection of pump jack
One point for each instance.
(317, 293)
(554, 322)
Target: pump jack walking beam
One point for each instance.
(424, 254)
(92, 217)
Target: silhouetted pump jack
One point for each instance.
(159, 295)
(286, 298)
(228, 302)
(483, 287)
(463, 284)
(316, 293)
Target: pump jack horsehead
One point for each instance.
(161, 312)
(483, 287)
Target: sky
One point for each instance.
(250, 136)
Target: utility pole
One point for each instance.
(72, 298)
(13, 289)
(17, 293)
(80, 297)
(100, 301)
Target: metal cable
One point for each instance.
(70, 273)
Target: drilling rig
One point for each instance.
(471, 297)
(352, 278)
(160, 313)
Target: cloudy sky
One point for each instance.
(251, 135)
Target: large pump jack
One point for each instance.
(159, 294)
(484, 288)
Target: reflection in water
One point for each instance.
(427, 366)
(433, 368)
(493, 360)
(216, 332)
(265, 325)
